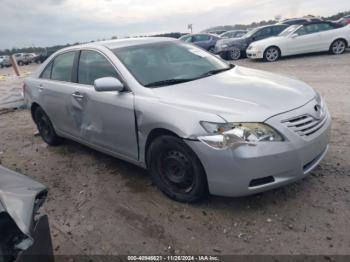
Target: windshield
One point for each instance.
(166, 63)
(288, 30)
(252, 32)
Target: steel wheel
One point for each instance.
(176, 170)
(338, 47)
(272, 54)
(234, 54)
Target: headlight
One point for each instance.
(224, 46)
(227, 135)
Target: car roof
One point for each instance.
(317, 22)
(236, 30)
(119, 43)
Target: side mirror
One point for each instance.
(294, 35)
(107, 84)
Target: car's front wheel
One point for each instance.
(272, 54)
(338, 47)
(234, 54)
(45, 127)
(176, 170)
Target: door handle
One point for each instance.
(41, 88)
(77, 95)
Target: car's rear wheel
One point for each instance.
(338, 47)
(176, 170)
(234, 54)
(272, 54)
(45, 127)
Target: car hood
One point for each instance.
(17, 197)
(239, 95)
(273, 40)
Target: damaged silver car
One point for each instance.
(197, 123)
(24, 233)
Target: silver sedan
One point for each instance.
(198, 124)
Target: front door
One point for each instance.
(104, 119)
(307, 39)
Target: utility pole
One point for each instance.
(190, 27)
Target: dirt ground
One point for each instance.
(101, 205)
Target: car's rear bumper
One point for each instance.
(251, 169)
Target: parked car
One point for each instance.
(5, 61)
(205, 41)
(217, 32)
(234, 34)
(300, 39)
(197, 123)
(25, 233)
(344, 20)
(234, 49)
(299, 21)
(42, 57)
(22, 59)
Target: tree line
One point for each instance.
(50, 49)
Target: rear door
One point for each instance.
(104, 119)
(55, 88)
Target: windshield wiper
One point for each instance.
(216, 71)
(169, 82)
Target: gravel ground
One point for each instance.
(101, 205)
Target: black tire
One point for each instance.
(234, 54)
(45, 127)
(338, 47)
(176, 170)
(272, 54)
(20, 63)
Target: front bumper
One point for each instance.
(41, 250)
(248, 169)
(255, 54)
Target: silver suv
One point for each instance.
(197, 123)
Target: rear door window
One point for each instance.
(62, 67)
(278, 29)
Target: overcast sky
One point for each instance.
(46, 22)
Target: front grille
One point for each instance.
(305, 125)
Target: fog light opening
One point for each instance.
(261, 181)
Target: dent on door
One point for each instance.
(106, 120)
(88, 124)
